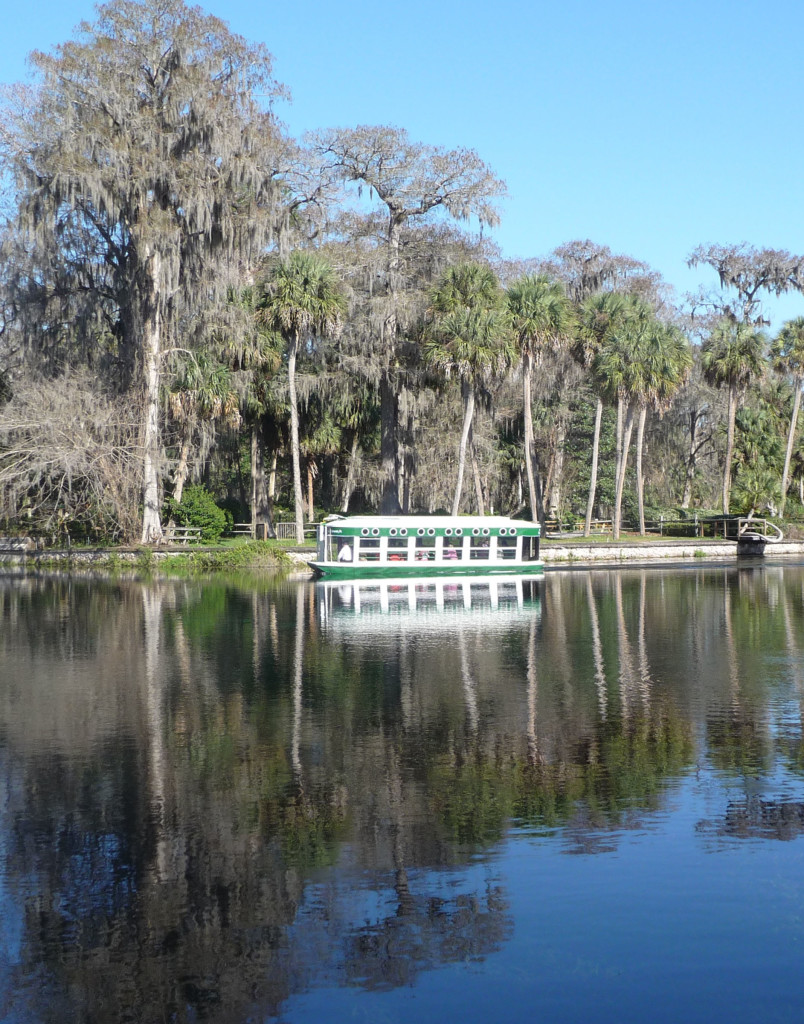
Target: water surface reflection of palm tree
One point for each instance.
(597, 649)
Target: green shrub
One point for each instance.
(197, 508)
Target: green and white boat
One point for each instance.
(376, 547)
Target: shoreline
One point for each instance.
(295, 561)
(689, 548)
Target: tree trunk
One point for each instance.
(256, 472)
(236, 470)
(548, 478)
(295, 453)
(791, 436)
(534, 483)
(182, 470)
(349, 486)
(261, 502)
(389, 415)
(269, 504)
(151, 523)
(479, 496)
(643, 412)
(590, 502)
(468, 412)
(729, 447)
(310, 479)
(389, 399)
(558, 467)
(272, 481)
(692, 456)
(618, 498)
(618, 442)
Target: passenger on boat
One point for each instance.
(345, 553)
(450, 553)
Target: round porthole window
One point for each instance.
(375, 532)
(364, 531)
(431, 532)
(459, 532)
(420, 531)
(512, 531)
(448, 532)
(392, 532)
(475, 532)
(503, 531)
(403, 532)
(485, 531)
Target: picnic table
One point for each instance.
(182, 535)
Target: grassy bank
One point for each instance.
(196, 561)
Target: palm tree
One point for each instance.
(755, 485)
(667, 360)
(201, 393)
(543, 321)
(254, 355)
(469, 337)
(617, 367)
(302, 301)
(732, 356)
(787, 352)
(322, 438)
(797, 469)
(641, 363)
(356, 409)
(598, 317)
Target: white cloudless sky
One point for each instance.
(647, 127)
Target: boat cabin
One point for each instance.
(425, 545)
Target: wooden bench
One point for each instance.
(182, 535)
(243, 530)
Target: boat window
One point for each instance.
(481, 548)
(397, 549)
(425, 549)
(453, 548)
(369, 549)
(530, 549)
(506, 547)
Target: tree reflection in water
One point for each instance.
(219, 795)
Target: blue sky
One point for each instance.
(648, 127)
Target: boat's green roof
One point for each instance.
(435, 522)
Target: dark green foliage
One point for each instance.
(197, 508)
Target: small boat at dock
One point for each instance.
(371, 547)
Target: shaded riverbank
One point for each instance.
(170, 559)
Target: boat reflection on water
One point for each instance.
(428, 604)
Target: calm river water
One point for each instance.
(578, 799)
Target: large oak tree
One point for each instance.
(143, 167)
(413, 182)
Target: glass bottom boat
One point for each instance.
(372, 547)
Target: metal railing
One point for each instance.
(287, 531)
(284, 531)
(727, 527)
